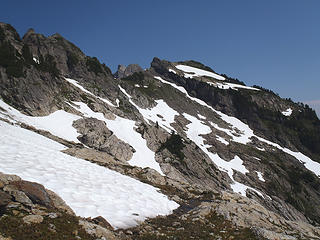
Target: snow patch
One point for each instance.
(124, 129)
(201, 117)
(260, 176)
(173, 71)
(161, 113)
(36, 60)
(222, 140)
(58, 123)
(89, 189)
(226, 85)
(195, 129)
(287, 112)
(76, 84)
(191, 72)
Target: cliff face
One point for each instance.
(218, 148)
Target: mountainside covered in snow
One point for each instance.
(175, 151)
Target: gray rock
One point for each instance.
(95, 134)
(124, 71)
(33, 219)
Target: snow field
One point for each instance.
(161, 113)
(124, 129)
(58, 123)
(190, 72)
(89, 189)
(242, 133)
(197, 128)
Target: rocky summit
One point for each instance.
(175, 151)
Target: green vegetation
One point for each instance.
(47, 64)
(174, 144)
(27, 55)
(2, 35)
(214, 227)
(108, 70)
(232, 80)
(72, 60)
(65, 227)
(94, 65)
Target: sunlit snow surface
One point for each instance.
(161, 113)
(124, 129)
(241, 132)
(90, 190)
(287, 112)
(260, 176)
(197, 128)
(190, 72)
(58, 123)
(226, 85)
(76, 84)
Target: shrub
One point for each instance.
(94, 65)
(72, 60)
(47, 64)
(2, 35)
(174, 144)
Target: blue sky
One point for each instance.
(272, 43)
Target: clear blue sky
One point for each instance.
(271, 43)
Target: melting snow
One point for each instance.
(242, 133)
(58, 123)
(76, 84)
(222, 140)
(161, 113)
(287, 112)
(234, 86)
(260, 176)
(124, 129)
(197, 128)
(191, 72)
(173, 71)
(201, 117)
(36, 60)
(89, 189)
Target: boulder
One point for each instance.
(33, 219)
(36, 192)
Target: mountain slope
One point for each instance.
(212, 145)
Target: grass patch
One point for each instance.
(66, 227)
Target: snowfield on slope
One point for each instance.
(124, 129)
(242, 133)
(197, 128)
(161, 113)
(190, 72)
(89, 189)
(58, 123)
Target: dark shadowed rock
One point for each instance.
(5, 198)
(36, 192)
